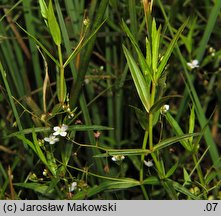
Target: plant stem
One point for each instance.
(153, 92)
(157, 163)
(200, 174)
(142, 156)
(61, 78)
(144, 192)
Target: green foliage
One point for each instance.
(53, 24)
(139, 80)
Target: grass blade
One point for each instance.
(3, 73)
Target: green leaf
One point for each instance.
(170, 50)
(152, 180)
(67, 152)
(167, 142)
(142, 61)
(38, 150)
(56, 110)
(53, 25)
(39, 188)
(173, 123)
(191, 123)
(183, 190)
(135, 160)
(168, 186)
(186, 176)
(139, 81)
(44, 9)
(158, 104)
(155, 38)
(161, 85)
(156, 116)
(172, 170)
(26, 141)
(188, 40)
(142, 117)
(148, 53)
(107, 185)
(125, 152)
(52, 166)
(210, 177)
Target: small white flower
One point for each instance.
(117, 158)
(87, 81)
(73, 186)
(45, 172)
(165, 108)
(128, 21)
(60, 130)
(193, 64)
(148, 163)
(51, 139)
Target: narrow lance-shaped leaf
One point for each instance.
(142, 61)
(53, 25)
(172, 170)
(148, 53)
(142, 117)
(168, 186)
(158, 104)
(151, 180)
(26, 141)
(138, 79)
(124, 152)
(107, 185)
(155, 36)
(191, 123)
(44, 10)
(186, 176)
(39, 188)
(183, 190)
(38, 150)
(178, 131)
(169, 50)
(167, 142)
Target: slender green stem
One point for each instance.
(157, 163)
(62, 80)
(144, 192)
(142, 156)
(150, 131)
(199, 170)
(153, 92)
(200, 173)
(110, 104)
